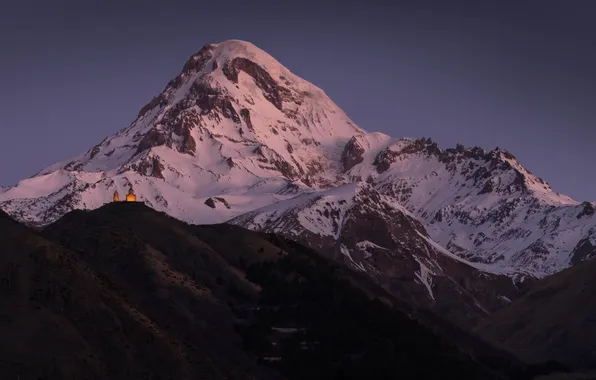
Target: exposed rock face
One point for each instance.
(245, 113)
(155, 137)
(352, 154)
(584, 250)
(384, 160)
(425, 147)
(184, 143)
(94, 151)
(589, 210)
(152, 167)
(272, 158)
(198, 61)
(213, 101)
(215, 201)
(272, 91)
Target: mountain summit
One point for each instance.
(233, 122)
(236, 135)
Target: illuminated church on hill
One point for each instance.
(130, 197)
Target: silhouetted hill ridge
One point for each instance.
(555, 320)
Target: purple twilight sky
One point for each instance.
(516, 74)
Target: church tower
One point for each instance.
(131, 197)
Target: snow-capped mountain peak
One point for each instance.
(235, 132)
(227, 94)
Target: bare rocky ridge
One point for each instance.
(217, 202)
(483, 205)
(352, 154)
(553, 321)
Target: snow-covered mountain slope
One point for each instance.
(482, 205)
(371, 233)
(234, 123)
(236, 132)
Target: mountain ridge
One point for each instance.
(564, 333)
(372, 234)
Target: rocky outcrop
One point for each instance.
(198, 61)
(212, 100)
(272, 91)
(245, 114)
(584, 250)
(384, 160)
(423, 146)
(182, 126)
(151, 166)
(588, 210)
(174, 131)
(213, 202)
(276, 161)
(352, 154)
(154, 137)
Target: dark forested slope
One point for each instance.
(126, 292)
(555, 320)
